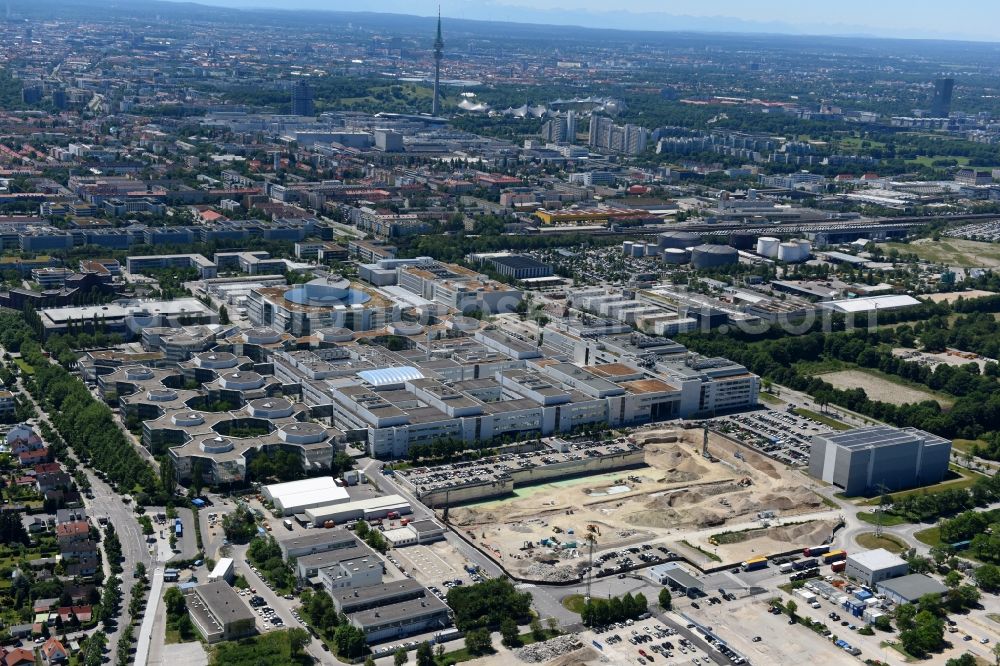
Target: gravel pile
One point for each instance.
(536, 653)
(547, 572)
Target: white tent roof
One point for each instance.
(389, 376)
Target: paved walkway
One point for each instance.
(149, 619)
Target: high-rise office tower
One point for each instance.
(570, 126)
(302, 99)
(438, 54)
(941, 106)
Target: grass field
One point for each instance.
(885, 388)
(890, 543)
(931, 536)
(573, 603)
(888, 519)
(951, 251)
(958, 479)
(770, 399)
(928, 160)
(25, 368)
(966, 445)
(822, 418)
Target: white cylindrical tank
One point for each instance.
(652, 249)
(627, 248)
(767, 246)
(789, 252)
(674, 255)
(638, 249)
(805, 247)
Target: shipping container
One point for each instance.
(755, 563)
(287, 523)
(837, 567)
(787, 567)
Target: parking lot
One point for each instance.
(626, 559)
(763, 638)
(435, 565)
(784, 436)
(644, 642)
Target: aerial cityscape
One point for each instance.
(369, 337)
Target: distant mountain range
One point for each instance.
(491, 10)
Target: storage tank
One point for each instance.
(627, 248)
(742, 240)
(767, 246)
(638, 249)
(805, 247)
(678, 239)
(789, 252)
(713, 256)
(652, 249)
(675, 255)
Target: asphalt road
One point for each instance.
(106, 502)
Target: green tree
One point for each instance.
(425, 654)
(400, 657)
(665, 599)
(168, 475)
(223, 315)
(478, 641)
(792, 607)
(537, 632)
(350, 641)
(953, 579)
(509, 634)
(988, 578)
(298, 639)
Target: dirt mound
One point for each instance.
(581, 656)
(798, 533)
(676, 464)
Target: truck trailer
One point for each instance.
(834, 556)
(755, 563)
(816, 550)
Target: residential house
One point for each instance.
(18, 657)
(54, 652)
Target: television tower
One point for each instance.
(438, 53)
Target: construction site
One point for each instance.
(691, 485)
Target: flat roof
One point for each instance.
(878, 558)
(518, 261)
(411, 610)
(912, 586)
(879, 436)
(375, 593)
(359, 505)
(678, 574)
(318, 538)
(223, 603)
(221, 567)
(321, 489)
(872, 303)
(123, 309)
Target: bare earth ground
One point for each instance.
(775, 539)
(951, 358)
(678, 493)
(952, 251)
(952, 296)
(877, 388)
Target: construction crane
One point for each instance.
(591, 540)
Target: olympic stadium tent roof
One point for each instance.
(390, 376)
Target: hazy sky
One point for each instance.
(955, 19)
